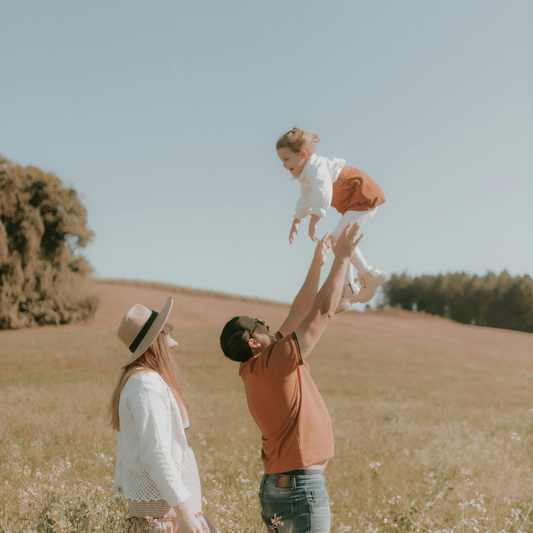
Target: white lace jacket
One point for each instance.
(151, 442)
(316, 185)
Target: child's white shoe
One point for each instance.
(350, 294)
(370, 281)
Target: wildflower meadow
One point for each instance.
(432, 422)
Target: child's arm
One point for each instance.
(320, 194)
(316, 192)
(294, 229)
(312, 227)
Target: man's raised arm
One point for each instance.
(325, 302)
(304, 299)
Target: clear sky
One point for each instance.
(163, 115)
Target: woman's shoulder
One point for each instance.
(144, 380)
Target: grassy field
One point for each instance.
(432, 420)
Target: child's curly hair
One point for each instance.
(298, 139)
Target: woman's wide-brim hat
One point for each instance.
(140, 327)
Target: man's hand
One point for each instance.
(294, 230)
(323, 249)
(347, 241)
(312, 227)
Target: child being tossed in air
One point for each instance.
(329, 182)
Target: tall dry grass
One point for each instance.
(427, 439)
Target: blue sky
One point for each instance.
(163, 115)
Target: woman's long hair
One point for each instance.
(158, 358)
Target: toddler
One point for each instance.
(329, 182)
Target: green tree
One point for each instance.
(43, 278)
(495, 301)
(399, 291)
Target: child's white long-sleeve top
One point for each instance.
(151, 442)
(316, 185)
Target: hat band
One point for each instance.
(140, 336)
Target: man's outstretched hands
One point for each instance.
(345, 245)
(323, 249)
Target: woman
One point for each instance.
(156, 469)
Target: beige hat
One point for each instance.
(140, 327)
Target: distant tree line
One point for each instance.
(497, 301)
(43, 280)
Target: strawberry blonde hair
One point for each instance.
(298, 139)
(158, 358)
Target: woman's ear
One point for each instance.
(304, 153)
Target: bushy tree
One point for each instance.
(43, 279)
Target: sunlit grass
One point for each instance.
(425, 438)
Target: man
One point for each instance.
(283, 399)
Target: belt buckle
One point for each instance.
(283, 481)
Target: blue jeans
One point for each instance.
(302, 507)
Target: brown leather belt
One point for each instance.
(284, 480)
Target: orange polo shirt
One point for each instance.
(287, 407)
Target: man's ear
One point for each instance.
(252, 343)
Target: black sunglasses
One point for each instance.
(256, 321)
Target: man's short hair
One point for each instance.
(234, 339)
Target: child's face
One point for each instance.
(294, 162)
